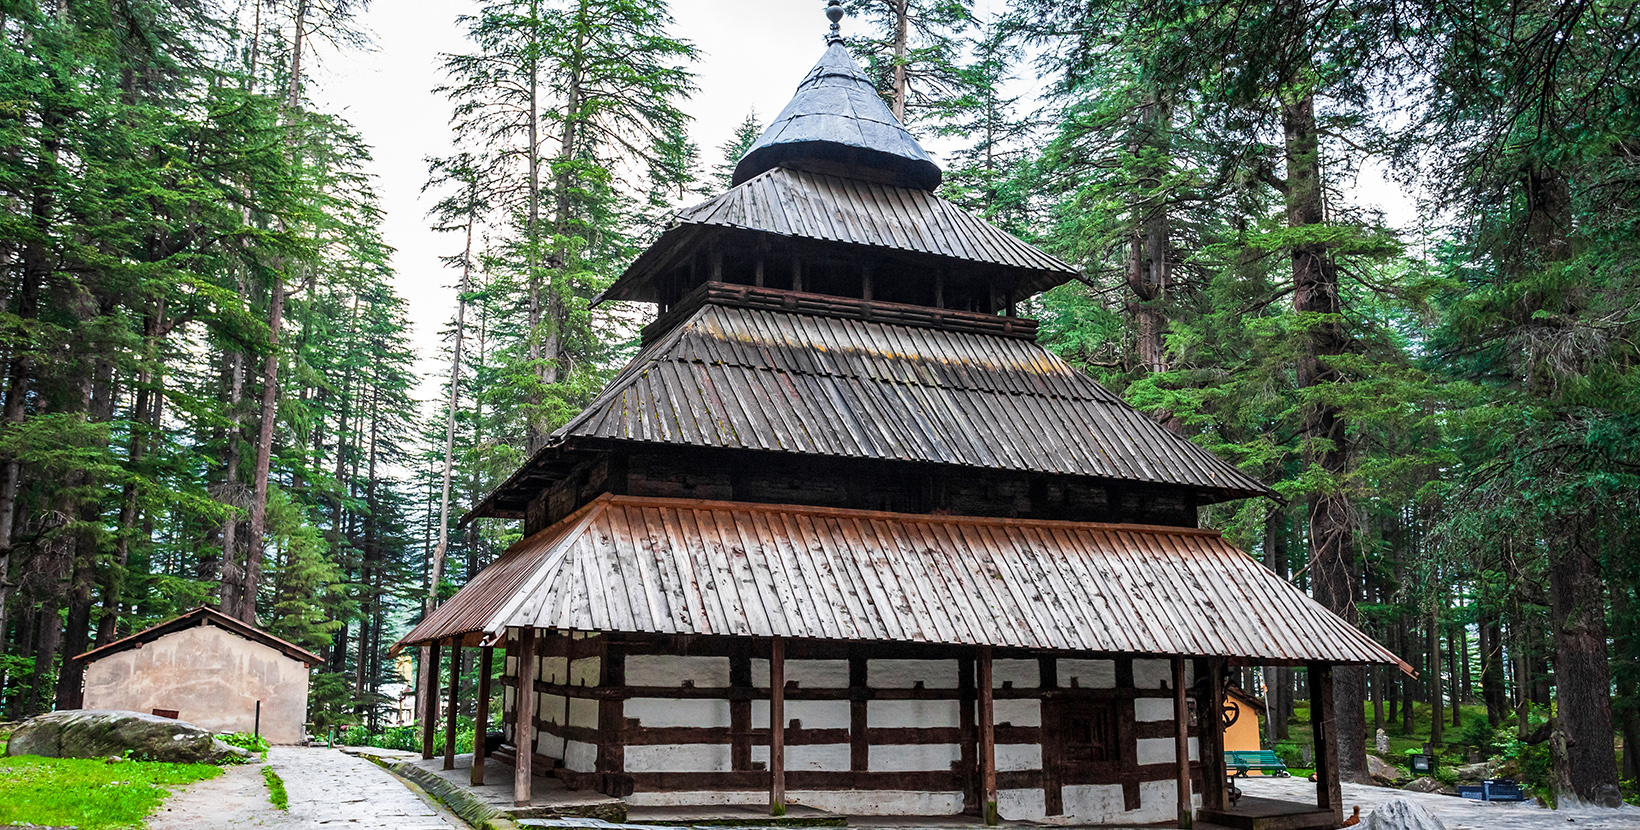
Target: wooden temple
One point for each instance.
(844, 535)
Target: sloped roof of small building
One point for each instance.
(835, 209)
(837, 119)
(204, 615)
(685, 566)
(784, 381)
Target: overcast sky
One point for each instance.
(753, 53)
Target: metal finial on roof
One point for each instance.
(834, 13)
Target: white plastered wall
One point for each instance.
(211, 677)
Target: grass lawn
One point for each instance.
(88, 794)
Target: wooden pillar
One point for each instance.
(481, 714)
(1210, 731)
(777, 727)
(797, 273)
(865, 282)
(987, 738)
(757, 278)
(968, 735)
(429, 698)
(1181, 743)
(1323, 722)
(524, 718)
(451, 710)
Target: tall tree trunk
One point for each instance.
(1577, 591)
(227, 570)
(1491, 668)
(144, 424)
(38, 263)
(436, 567)
(1453, 643)
(1331, 519)
(537, 432)
(902, 21)
(1148, 271)
(270, 364)
(96, 401)
(1437, 708)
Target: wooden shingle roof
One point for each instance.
(832, 209)
(768, 379)
(837, 120)
(686, 566)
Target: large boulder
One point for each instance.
(90, 733)
(1476, 772)
(1401, 814)
(1383, 773)
(1423, 785)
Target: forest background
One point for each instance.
(210, 391)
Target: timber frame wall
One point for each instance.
(872, 728)
(894, 486)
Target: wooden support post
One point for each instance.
(717, 265)
(968, 735)
(1210, 728)
(797, 273)
(939, 290)
(1181, 743)
(452, 709)
(987, 738)
(1323, 722)
(777, 727)
(865, 282)
(524, 719)
(481, 714)
(757, 278)
(429, 700)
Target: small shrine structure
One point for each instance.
(843, 535)
(208, 669)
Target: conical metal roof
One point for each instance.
(837, 124)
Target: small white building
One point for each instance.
(208, 669)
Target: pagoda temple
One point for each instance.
(843, 535)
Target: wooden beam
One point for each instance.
(1323, 723)
(987, 738)
(1181, 743)
(968, 735)
(481, 713)
(429, 700)
(452, 709)
(859, 746)
(524, 720)
(777, 727)
(1210, 729)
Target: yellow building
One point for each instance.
(1241, 711)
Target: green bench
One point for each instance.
(1264, 760)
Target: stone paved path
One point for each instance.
(328, 791)
(236, 799)
(1456, 813)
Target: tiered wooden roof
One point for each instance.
(795, 204)
(684, 566)
(756, 369)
